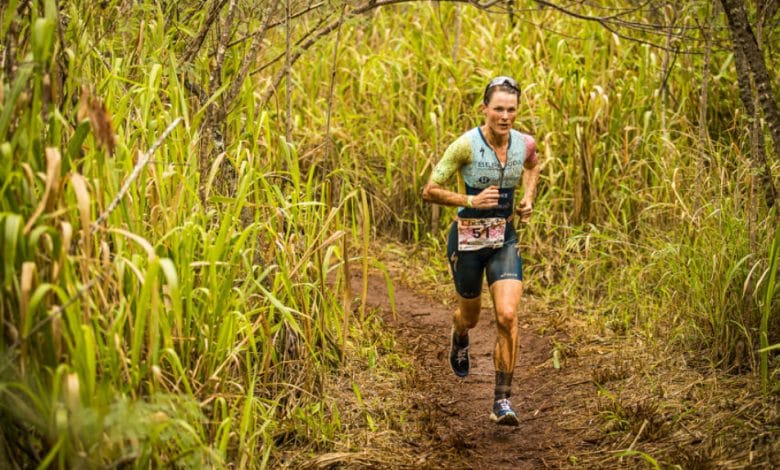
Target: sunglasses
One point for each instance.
(499, 81)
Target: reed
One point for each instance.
(182, 330)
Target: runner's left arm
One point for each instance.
(531, 171)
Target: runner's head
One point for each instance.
(502, 83)
(499, 105)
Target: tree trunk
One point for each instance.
(582, 186)
(745, 44)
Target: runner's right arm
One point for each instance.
(456, 155)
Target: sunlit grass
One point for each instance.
(210, 325)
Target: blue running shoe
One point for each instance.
(503, 413)
(459, 354)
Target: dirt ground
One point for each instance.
(455, 412)
(586, 397)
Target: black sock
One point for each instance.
(461, 340)
(503, 385)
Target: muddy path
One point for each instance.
(453, 413)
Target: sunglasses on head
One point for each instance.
(501, 81)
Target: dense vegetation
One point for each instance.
(181, 199)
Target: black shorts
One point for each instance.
(468, 267)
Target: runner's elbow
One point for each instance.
(426, 193)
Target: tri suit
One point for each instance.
(477, 167)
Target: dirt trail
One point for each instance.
(455, 412)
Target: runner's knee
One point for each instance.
(468, 312)
(506, 316)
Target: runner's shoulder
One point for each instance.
(455, 156)
(460, 149)
(531, 158)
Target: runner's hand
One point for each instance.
(487, 199)
(524, 211)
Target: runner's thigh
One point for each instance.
(466, 267)
(506, 262)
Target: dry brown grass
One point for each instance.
(655, 401)
(386, 426)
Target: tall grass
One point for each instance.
(635, 215)
(170, 333)
(178, 332)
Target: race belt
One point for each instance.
(475, 234)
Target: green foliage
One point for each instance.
(207, 309)
(187, 331)
(658, 230)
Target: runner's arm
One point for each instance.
(532, 169)
(456, 155)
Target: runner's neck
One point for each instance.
(498, 142)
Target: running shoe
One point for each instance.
(459, 354)
(503, 413)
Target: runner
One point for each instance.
(489, 162)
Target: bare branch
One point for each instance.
(279, 56)
(246, 62)
(215, 81)
(134, 174)
(333, 79)
(287, 67)
(193, 48)
(330, 27)
(309, 9)
(609, 23)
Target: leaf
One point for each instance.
(74, 146)
(43, 39)
(144, 243)
(10, 7)
(35, 300)
(53, 165)
(67, 236)
(82, 197)
(13, 223)
(20, 83)
(26, 285)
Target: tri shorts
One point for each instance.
(469, 267)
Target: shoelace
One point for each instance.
(505, 405)
(461, 355)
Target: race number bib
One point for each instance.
(475, 234)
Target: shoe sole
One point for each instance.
(509, 419)
(458, 374)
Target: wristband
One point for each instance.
(468, 201)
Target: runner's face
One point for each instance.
(500, 113)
